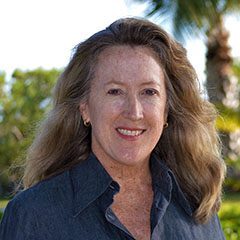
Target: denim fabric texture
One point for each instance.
(76, 205)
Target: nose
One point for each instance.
(133, 109)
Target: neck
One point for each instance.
(128, 176)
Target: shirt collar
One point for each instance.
(165, 181)
(90, 180)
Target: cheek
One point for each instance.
(158, 120)
(116, 105)
(102, 111)
(156, 110)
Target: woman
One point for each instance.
(129, 150)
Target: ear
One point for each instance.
(166, 113)
(166, 118)
(84, 110)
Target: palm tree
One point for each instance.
(195, 17)
(205, 16)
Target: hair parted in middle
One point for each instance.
(189, 145)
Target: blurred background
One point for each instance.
(37, 38)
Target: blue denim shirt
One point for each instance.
(76, 205)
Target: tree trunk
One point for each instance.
(218, 65)
(222, 87)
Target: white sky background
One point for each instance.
(41, 33)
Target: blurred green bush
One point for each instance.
(230, 217)
(24, 99)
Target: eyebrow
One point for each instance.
(113, 82)
(150, 83)
(142, 84)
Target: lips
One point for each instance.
(131, 133)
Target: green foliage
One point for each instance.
(3, 203)
(230, 217)
(236, 69)
(233, 183)
(23, 103)
(229, 119)
(231, 225)
(228, 123)
(190, 18)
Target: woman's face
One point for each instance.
(126, 105)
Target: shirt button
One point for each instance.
(112, 187)
(111, 217)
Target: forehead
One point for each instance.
(122, 53)
(124, 61)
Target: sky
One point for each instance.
(42, 33)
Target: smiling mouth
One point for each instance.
(127, 132)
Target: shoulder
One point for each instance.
(44, 192)
(215, 226)
(185, 224)
(28, 209)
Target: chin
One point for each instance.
(132, 159)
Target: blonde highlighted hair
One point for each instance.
(189, 146)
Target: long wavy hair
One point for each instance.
(189, 146)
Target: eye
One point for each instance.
(114, 91)
(150, 92)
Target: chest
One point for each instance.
(134, 213)
(91, 224)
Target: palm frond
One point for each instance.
(192, 17)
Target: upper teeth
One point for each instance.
(129, 133)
